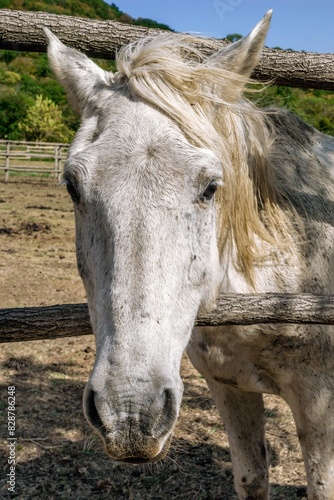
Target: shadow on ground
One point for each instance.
(59, 457)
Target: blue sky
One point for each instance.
(296, 24)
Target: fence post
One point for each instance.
(7, 161)
(58, 161)
(56, 173)
(60, 167)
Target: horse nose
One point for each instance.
(91, 412)
(134, 429)
(154, 417)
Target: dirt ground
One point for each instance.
(58, 456)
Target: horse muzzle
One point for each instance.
(135, 427)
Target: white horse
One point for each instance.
(183, 189)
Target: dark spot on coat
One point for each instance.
(152, 151)
(203, 346)
(263, 450)
(227, 381)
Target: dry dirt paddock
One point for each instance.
(57, 455)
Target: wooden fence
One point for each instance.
(23, 31)
(38, 157)
(69, 320)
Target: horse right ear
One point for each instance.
(243, 56)
(80, 76)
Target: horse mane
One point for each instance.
(170, 73)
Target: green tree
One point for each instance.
(44, 122)
(149, 23)
(13, 109)
(233, 37)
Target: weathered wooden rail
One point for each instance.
(68, 320)
(38, 157)
(20, 30)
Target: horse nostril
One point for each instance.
(91, 412)
(169, 404)
(167, 413)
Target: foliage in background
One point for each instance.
(314, 106)
(23, 77)
(44, 122)
(26, 83)
(93, 9)
(27, 87)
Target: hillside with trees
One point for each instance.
(34, 107)
(94, 9)
(314, 106)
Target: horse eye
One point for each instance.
(72, 191)
(209, 191)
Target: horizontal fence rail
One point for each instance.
(38, 157)
(21, 30)
(68, 320)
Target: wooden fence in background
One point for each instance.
(37, 157)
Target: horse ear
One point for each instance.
(78, 74)
(243, 56)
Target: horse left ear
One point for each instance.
(243, 56)
(80, 76)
